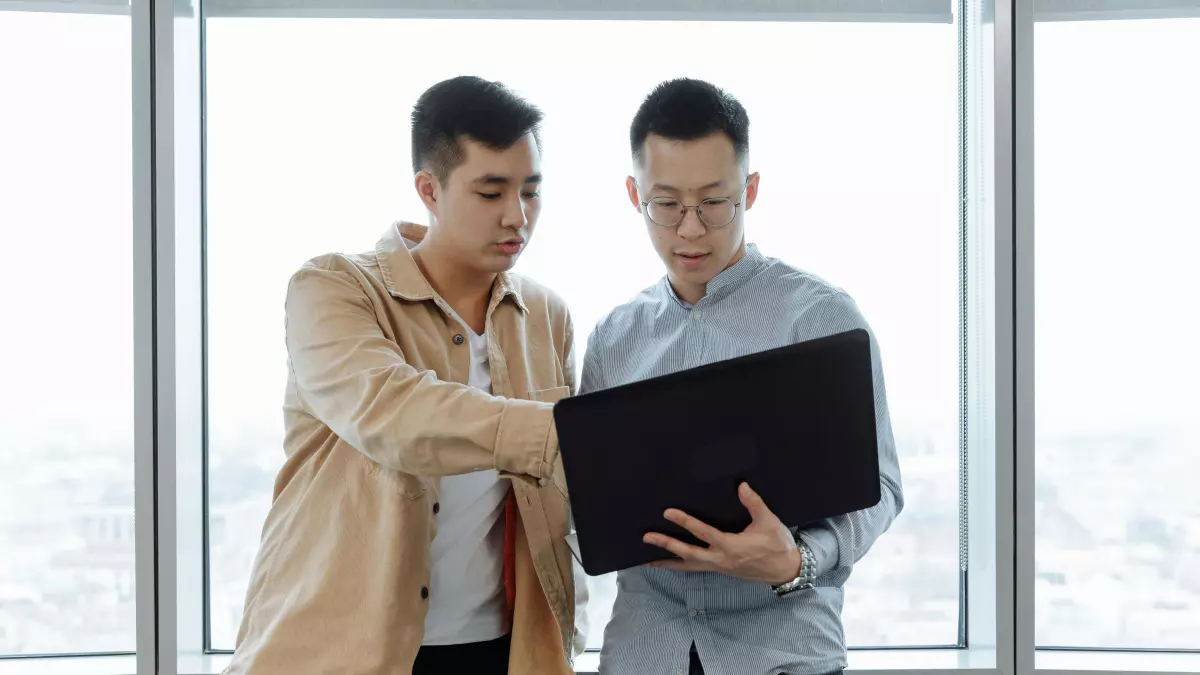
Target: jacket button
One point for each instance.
(424, 592)
(437, 507)
(459, 339)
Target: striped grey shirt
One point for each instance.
(738, 627)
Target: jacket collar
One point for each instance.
(403, 278)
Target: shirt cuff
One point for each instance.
(824, 548)
(526, 442)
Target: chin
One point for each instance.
(700, 276)
(502, 263)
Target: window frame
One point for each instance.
(704, 10)
(978, 550)
(1051, 659)
(168, 204)
(1108, 10)
(171, 534)
(984, 634)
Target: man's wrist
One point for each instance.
(795, 562)
(526, 441)
(804, 578)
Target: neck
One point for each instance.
(467, 290)
(688, 292)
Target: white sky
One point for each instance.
(853, 130)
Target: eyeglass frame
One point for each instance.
(699, 215)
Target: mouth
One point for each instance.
(511, 246)
(691, 259)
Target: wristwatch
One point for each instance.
(808, 572)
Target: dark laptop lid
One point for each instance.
(797, 423)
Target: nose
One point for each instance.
(515, 212)
(691, 227)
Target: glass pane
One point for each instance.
(853, 133)
(1118, 518)
(66, 295)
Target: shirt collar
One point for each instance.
(728, 281)
(404, 280)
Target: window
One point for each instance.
(853, 132)
(1118, 519)
(112, 328)
(66, 295)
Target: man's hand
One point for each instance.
(765, 551)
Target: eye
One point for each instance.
(490, 196)
(668, 203)
(532, 195)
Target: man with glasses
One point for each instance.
(766, 600)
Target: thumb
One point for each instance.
(754, 503)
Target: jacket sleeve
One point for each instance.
(355, 380)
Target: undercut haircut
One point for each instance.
(467, 106)
(685, 109)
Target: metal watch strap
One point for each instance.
(808, 572)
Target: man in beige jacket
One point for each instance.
(419, 520)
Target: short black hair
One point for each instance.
(485, 111)
(685, 109)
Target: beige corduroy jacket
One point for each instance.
(376, 410)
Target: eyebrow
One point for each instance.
(659, 187)
(494, 179)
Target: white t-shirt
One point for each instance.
(466, 594)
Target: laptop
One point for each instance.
(797, 423)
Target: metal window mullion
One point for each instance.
(964, 307)
(154, 335)
(190, 472)
(145, 464)
(165, 344)
(1023, 334)
(1008, 615)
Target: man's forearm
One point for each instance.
(841, 541)
(353, 378)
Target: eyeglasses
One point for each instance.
(669, 212)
